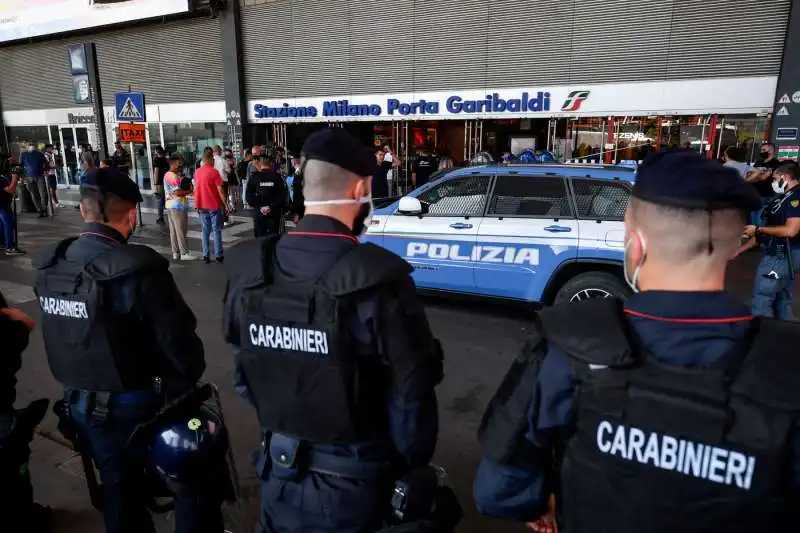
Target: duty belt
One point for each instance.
(289, 458)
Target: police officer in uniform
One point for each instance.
(121, 340)
(268, 195)
(779, 237)
(675, 411)
(18, 510)
(334, 350)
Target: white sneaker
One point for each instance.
(176, 256)
(188, 257)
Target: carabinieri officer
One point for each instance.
(334, 349)
(673, 411)
(121, 340)
(779, 238)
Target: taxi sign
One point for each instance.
(131, 133)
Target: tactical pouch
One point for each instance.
(283, 454)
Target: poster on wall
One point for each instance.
(22, 19)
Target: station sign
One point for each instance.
(132, 133)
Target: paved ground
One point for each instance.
(479, 341)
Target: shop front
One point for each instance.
(601, 123)
(181, 129)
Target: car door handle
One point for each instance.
(460, 225)
(558, 229)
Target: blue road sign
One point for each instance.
(130, 107)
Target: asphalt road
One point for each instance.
(479, 340)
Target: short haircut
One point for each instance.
(174, 159)
(160, 150)
(681, 236)
(768, 144)
(46, 146)
(326, 181)
(113, 208)
(248, 152)
(208, 155)
(733, 153)
(264, 159)
(789, 167)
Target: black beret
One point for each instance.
(112, 181)
(685, 179)
(338, 147)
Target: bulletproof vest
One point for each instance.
(88, 346)
(661, 448)
(297, 352)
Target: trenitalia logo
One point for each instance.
(574, 100)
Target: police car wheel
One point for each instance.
(591, 285)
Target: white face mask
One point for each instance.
(633, 280)
(30, 148)
(779, 186)
(361, 226)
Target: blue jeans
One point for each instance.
(211, 221)
(773, 297)
(125, 490)
(7, 224)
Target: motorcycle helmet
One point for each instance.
(189, 450)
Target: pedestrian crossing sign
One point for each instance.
(130, 107)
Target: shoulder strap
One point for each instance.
(770, 372)
(246, 262)
(592, 331)
(125, 260)
(50, 254)
(364, 267)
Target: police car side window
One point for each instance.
(531, 196)
(600, 199)
(462, 196)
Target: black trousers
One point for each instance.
(266, 225)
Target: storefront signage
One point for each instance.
(789, 152)
(80, 119)
(394, 107)
(786, 134)
(131, 133)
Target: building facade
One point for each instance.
(589, 79)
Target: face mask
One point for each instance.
(764, 155)
(632, 281)
(30, 148)
(365, 214)
(132, 223)
(779, 186)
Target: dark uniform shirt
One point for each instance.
(267, 189)
(764, 187)
(687, 329)
(413, 424)
(164, 321)
(424, 167)
(777, 212)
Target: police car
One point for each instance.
(545, 233)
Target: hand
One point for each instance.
(265, 210)
(750, 231)
(19, 316)
(547, 523)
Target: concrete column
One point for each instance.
(786, 113)
(235, 102)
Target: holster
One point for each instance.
(68, 428)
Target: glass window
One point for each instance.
(190, 138)
(601, 200)
(462, 196)
(531, 196)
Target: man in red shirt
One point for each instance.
(209, 200)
